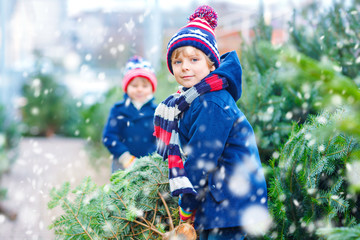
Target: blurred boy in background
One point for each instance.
(128, 133)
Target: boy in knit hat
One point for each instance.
(128, 133)
(214, 164)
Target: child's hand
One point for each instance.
(129, 162)
(126, 159)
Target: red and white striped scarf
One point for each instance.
(166, 120)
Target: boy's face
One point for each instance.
(190, 66)
(139, 89)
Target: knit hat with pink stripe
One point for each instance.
(138, 67)
(198, 33)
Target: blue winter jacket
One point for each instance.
(130, 129)
(222, 161)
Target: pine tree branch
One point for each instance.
(119, 198)
(168, 212)
(278, 194)
(139, 233)
(155, 178)
(291, 186)
(77, 219)
(124, 227)
(155, 211)
(328, 145)
(348, 151)
(328, 155)
(159, 170)
(81, 198)
(147, 222)
(114, 234)
(142, 224)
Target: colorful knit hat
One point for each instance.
(138, 67)
(198, 33)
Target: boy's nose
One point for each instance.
(185, 65)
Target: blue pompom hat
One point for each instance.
(198, 33)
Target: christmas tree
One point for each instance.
(292, 194)
(309, 188)
(135, 205)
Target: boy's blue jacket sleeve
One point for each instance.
(112, 133)
(208, 139)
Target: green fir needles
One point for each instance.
(308, 189)
(135, 205)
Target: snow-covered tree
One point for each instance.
(309, 188)
(319, 31)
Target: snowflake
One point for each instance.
(289, 115)
(354, 172)
(336, 100)
(2, 140)
(130, 25)
(35, 111)
(275, 155)
(101, 76)
(256, 219)
(321, 148)
(322, 120)
(88, 57)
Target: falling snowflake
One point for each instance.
(2, 140)
(308, 136)
(256, 220)
(322, 120)
(275, 155)
(353, 172)
(289, 115)
(88, 57)
(321, 148)
(35, 111)
(121, 47)
(336, 100)
(130, 26)
(239, 185)
(102, 76)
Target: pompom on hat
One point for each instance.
(138, 67)
(198, 33)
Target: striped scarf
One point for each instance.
(166, 119)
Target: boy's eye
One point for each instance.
(195, 59)
(176, 62)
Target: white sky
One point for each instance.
(76, 6)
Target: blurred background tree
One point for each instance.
(270, 104)
(93, 120)
(9, 140)
(332, 33)
(49, 107)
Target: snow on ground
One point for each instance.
(43, 163)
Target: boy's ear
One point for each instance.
(212, 68)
